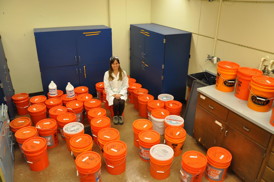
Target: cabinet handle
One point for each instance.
(85, 72)
(226, 132)
(246, 129)
(211, 107)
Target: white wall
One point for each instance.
(244, 35)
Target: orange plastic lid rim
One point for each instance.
(249, 72)
(263, 80)
(34, 144)
(75, 104)
(115, 148)
(160, 113)
(194, 161)
(84, 97)
(92, 103)
(142, 124)
(175, 132)
(35, 108)
(53, 101)
(56, 110)
(38, 99)
(219, 155)
(66, 117)
(228, 65)
(46, 124)
(156, 104)
(100, 122)
(81, 141)
(88, 161)
(99, 85)
(20, 96)
(149, 136)
(97, 112)
(107, 134)
(81, 89)
(173, 104)
(145, 97)
(25, 132)
(20, 122)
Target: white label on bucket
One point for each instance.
(114, 150)
(51, 102)
(178, 133)
(47, 123)
(110, 166)
(202, 97)
(147, 98)
(193, 156)
(77, 104)
(34, 109)
(37, 142)
(92, 101)
(162, 113)
(268, 81)
(66, 119)
(106, 136)
(147, 138)
(158, 104)
(99, 113)
(26, 131)
(221, 157)
(20, 121)
(86, 158)
(170, 104)
(160, 171)
(38, 126)
(145, 126)
(99, 121)
(79, 140)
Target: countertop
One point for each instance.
(228, 100)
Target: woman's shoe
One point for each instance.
(121, 121)
(115, 120)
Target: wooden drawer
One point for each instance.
(213, 107)
(268, 175)
(249, 129)
(270, 162)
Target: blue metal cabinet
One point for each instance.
(79, 55)
(159, 58)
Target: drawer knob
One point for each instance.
(246, 129)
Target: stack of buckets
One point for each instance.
(98, 123)
(19, 123)
(72, 129)
(100, 88)
(22, 103)
(142, 102)
(80, 143)
(147, 139)
(158, 117)
(138, 126)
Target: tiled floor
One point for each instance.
(62, 167)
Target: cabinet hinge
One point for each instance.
(162, 77)
(164, 41)
(163, 66)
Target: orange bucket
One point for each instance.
(58, 96)
(131, 81)
(136, 93)
(115, 154)
(80, 143)
(226, 76)
(47, 128)
(244, 76)
(35, 151)
(25, 133)
(175, 137)
(99, 89)
(154, 104)
(37, 112)
(22, 103)
(142, 103)
(91, 104)
(81, 90)
(19, 123)
(84, 97)
(138, 126)
(104, 96)
(174, 120)
(147, 139)
(158, 119)
(64, 119)
(72, 129)
(52, 102)
(57, 110)
(261, 93)
(219, 160)
(77, 107)
(96, 112)
(193, 166)
(174, 107)
(131, 89)
(39, 99)
(107, 135)
(88, 165)
(66, 99)
(161, 158)
(98, 123)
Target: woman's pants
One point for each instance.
(118, 106)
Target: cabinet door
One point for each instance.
(208, 129)
(94, 51)
(247, 156)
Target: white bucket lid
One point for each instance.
(73, 128)
(165, 97)
(161, 152)
(174, 120)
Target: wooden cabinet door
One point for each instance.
(208, 129)
(247, 156)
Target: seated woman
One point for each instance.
(116, 84)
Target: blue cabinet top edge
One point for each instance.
(70, 28)
(161, 29)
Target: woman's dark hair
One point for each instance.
(110, 71)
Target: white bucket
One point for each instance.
(165, 97)
(158, 125)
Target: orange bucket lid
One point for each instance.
(46, 124)
(228, 65)
(81, 90)
(265, 81)
(134, 86)
(174, 120)
(175, 132)
(140, 91)
(156, 104)
(20, 96)
(73, 128)
(108, 134)
(173, 104)
(35, 108)
(142, 124)
(145, 97)
(249, 72)
(59, 94)
(115, 149)
(149, 136)
(56, 110)
(131, 80)
(84, 97)
(81, 141)
(100, 122)
(92, 103)
(97, 112)
(160, 113)
(20, 122)
(99, 85)
(194, 161)
(53, 102)
(75, 104)
(26, 132)
(67, 117)
(219, 155)
(67, 99)
(38, 99)
(88, 162)
(34, 144)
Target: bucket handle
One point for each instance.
(272, 98)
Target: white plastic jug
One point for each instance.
(52, 89)
(70, 90)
